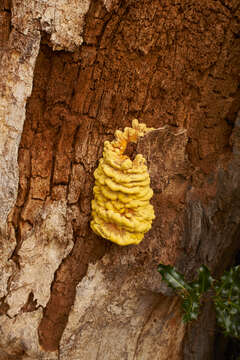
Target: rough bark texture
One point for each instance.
(65, 293)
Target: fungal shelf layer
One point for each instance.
(121, 208)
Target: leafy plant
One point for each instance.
(226, 295)
(227, 301)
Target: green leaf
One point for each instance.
(227, 302)
(174, 278)
(204, 279)
(191, 307)
(189, 292)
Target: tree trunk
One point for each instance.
(71, 74)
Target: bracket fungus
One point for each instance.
(121, 208)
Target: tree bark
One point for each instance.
(71, 74)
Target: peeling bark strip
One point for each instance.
(16, 71)
(165, 64)
(17, 64)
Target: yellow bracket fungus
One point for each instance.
(121, 208)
